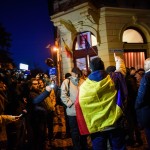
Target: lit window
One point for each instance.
(132, 36)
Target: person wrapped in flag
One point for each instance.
(100, 105)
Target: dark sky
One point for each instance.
(29, 23)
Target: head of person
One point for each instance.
(110, 69)
(84, 72)
(67, 75)
(132, 71)
(34, 84)
(96, 64)
(75, 73)
(41, 84)
(37, 76)
(138, 77)
(141, 71)
(147, 64)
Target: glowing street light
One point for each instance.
(56, 49)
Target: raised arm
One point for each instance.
(120, 66)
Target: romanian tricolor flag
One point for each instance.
(67, 49)
(97, 105)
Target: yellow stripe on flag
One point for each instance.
(99, 105)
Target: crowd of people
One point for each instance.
(108, 105)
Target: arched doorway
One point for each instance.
(134, 48)
(84, 49)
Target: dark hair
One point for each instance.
(67, 75)
(132, 68)
(140, 71)
(96, 64)
(110, 69)
(76, 70)
(127, 71)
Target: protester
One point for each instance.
(85, 73)
(4, 119)
(69, 90)
(36, 116)
(142, 104)
(138, 75)
(67, 75)
(133, 134)
(100, 104)
(132, 71)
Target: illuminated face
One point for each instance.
(35, 84)
(74, 75)
(41, 83)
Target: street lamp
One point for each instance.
(56, 58)
(57, 50)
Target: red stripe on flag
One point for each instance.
(80, 119)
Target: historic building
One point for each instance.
(87, 28)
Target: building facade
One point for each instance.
(87, 29)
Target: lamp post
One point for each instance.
(57, 50)
(57, 60)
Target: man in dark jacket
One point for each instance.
(142, 104)
(36, 116)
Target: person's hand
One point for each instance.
(114, 55)
(24, 111)
(117, 58)
(15, 118)
(48, 88)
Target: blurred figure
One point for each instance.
(84, 74)
(132, 71)
(41, 85)
(51, 107)
(142, 104)
(4, 119)
(110, 69)
(133, 135)
(46, 79)
(138, 75)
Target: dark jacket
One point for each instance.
(142, 104)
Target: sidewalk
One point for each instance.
(61, 141)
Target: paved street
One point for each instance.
(63, 142)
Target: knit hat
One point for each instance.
(96, 64)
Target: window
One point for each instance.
(85, 48)
(134, 55)
(132, 36)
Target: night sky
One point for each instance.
(29, 23)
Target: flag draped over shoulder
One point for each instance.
(97, 110)
(67, 49)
